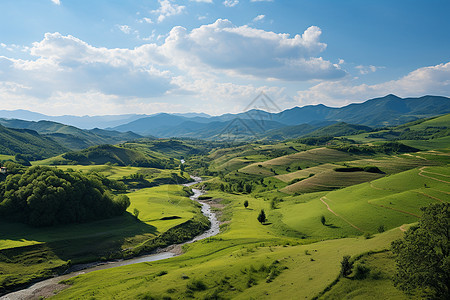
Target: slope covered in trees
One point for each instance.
(44, 196)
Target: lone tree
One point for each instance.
(422, 257)
(323, 220)
(262, 216)
(136, 213)
(346, 266)
(246, 203)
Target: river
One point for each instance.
(34, 291)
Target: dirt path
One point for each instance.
(402, 228)
(376, 188)
(334, 213)
(431, 197)
(423, 171)
(399, 210)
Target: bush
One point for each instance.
(346, 266)
(361, 271)
(196, 285)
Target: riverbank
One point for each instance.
(165, 245)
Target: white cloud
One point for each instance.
(258, 18)
(67, 64)
(167, 9)
(146, 20)
(125, 29)
(363, 70)
(57, 2)
(433, 80)
(230, 3)
(246, 51)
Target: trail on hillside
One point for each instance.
(334, 213)
(423, 171)
(431, 197)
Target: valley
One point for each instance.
(337, 190)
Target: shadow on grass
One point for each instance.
(267, 223)
(332, 226)
(76, 242)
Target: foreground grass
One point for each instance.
(27, 253)
(229, 268)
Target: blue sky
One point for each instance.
(111, 57)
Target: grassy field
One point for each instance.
(229, 268)
(304, 159)
(36, 251)
(6, 157)
(390, 201)
(330, 180)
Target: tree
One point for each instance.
(422, 257)
(136, 213)
(323, 220)
(246, 203)
(346, 266)
(262, 216)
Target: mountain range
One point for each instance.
(386, 111)
(298, 121)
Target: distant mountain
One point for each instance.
(192, 115)
(295, 131)
(339, 129)
(69, 136)
(28, 142)
(388, 110)
(166, 125)
(385, 111)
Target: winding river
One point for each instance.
(33, 291)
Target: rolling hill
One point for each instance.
(69, 136)
(29, 143)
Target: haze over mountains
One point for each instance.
(294, 122)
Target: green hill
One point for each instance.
(103, 154)
(29, 143)
(72, 137)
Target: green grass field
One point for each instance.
(53, 247)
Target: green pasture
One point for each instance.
(221, 267)
(390, 201)
(304, 159)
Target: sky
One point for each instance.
(84, 57)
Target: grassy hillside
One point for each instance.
(69, 136)
(28, 142)
(100, 155)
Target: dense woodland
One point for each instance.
(44, 196)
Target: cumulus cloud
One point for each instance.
(57, 2)
(65, 63)
(230, 3)
(253, 52)
(432, 80)
(167, 9)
